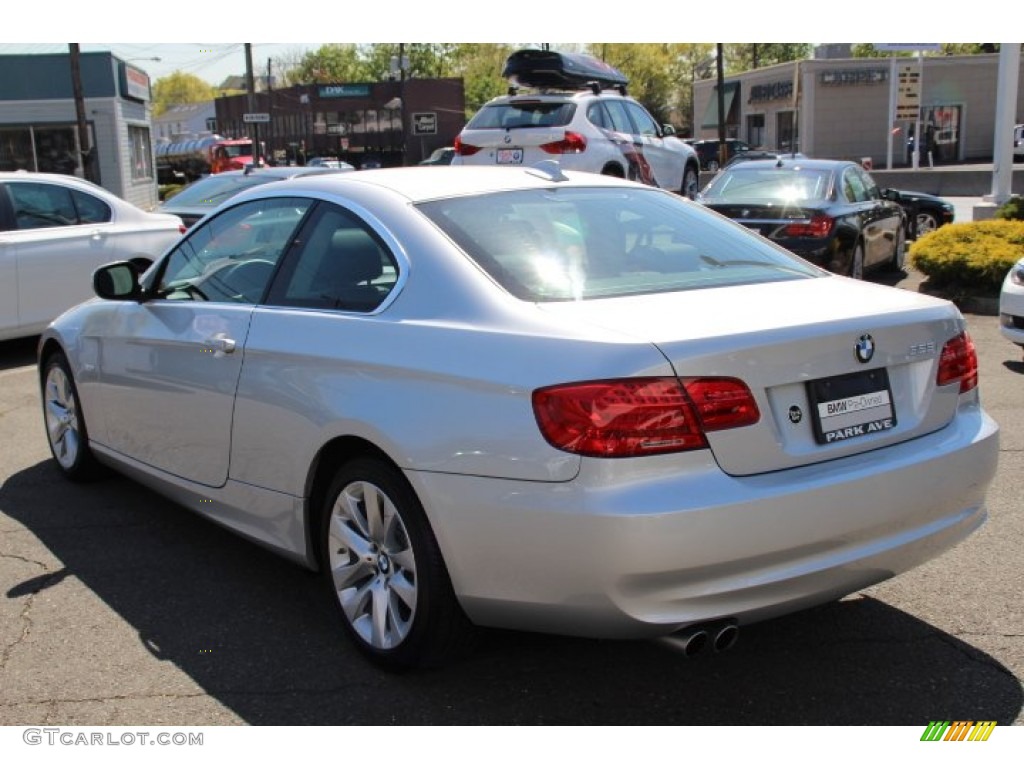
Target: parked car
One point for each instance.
(707, 151)
(329, 162)
(763, 154)
(1018, 142)
(925, 213)
(830, 212)
(440, 156)
(54, 231)
(595, 129)
(1011, 305)
(200, 197)
(527, 398)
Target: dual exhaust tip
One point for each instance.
(716, 637)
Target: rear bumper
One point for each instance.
(644, 548)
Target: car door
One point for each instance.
(54, 249)
(883, 220)
(169, 366)
(662, 152)
(8, 270)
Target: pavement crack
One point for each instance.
(24, 617)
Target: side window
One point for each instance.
(597, 115)
(870, 188)
(41, 205)
(644, 123)
(341, 264)
(232, 257)
(91, 210)
(853, 187)
(617, 112)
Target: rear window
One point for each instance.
(523, 114)
(745, 183)
(574, 243)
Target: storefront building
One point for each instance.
(390, 123)
(39, 124)
(852, 109)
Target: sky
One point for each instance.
(156, 31)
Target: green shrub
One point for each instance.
(969, 257)
(1012, 209)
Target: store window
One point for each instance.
(141, 153)
(786, 131)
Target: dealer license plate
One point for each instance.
(513, 156)
(851, 405)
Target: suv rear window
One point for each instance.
(523, 114)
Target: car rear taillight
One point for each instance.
(819, 225)
(958, 362)
(572, 144)
(463, 149)
(182, 229)
(641, 416)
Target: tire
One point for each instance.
(926, 222)
(857, 262)
(899, 255)
(385, 573)
(66, 431)
(691, 183)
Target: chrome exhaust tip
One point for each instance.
(690, 641)
(725, 637)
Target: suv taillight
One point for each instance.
(642, 416)
(819, 225)
(464, 149)
(958, 362)
(572, 144)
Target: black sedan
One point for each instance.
(830, 212)
(925, 213)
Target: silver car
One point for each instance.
(527, 398)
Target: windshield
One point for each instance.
(772, 183)
(213, 190)
(238, 150)
(586, 243)
(523, 114)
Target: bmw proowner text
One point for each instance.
(72, 738)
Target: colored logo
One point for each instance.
(959, 730)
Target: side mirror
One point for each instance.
(668, 130)
(118, 281)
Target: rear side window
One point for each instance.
(523, 114)
(49, 205)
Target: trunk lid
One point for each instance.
(794, 344)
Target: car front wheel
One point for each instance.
(691, 183)
(384, 570)
(926, 222)
(65, 423)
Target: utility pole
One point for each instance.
(270, 110)
(84, 147)
(250, 84)
(722, 149)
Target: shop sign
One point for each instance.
(771, 91)
(424, 123)
(344, 91)
(853, 77)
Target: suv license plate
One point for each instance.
(510, 156)
(851, 405)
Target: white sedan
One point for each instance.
(526, 398)
(1011, 305)
(54, 231)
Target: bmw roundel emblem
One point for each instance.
(864, 349)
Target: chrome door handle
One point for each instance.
(221, 346)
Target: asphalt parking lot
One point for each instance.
(119, 608)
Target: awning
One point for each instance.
(711, 112)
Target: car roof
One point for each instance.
(809, 163)
(556, 95)
(422, 183)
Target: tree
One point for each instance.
(180, 88)
(331, 63)
(741, 57)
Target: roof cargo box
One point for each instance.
(532, 68)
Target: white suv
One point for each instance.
(603, 132)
